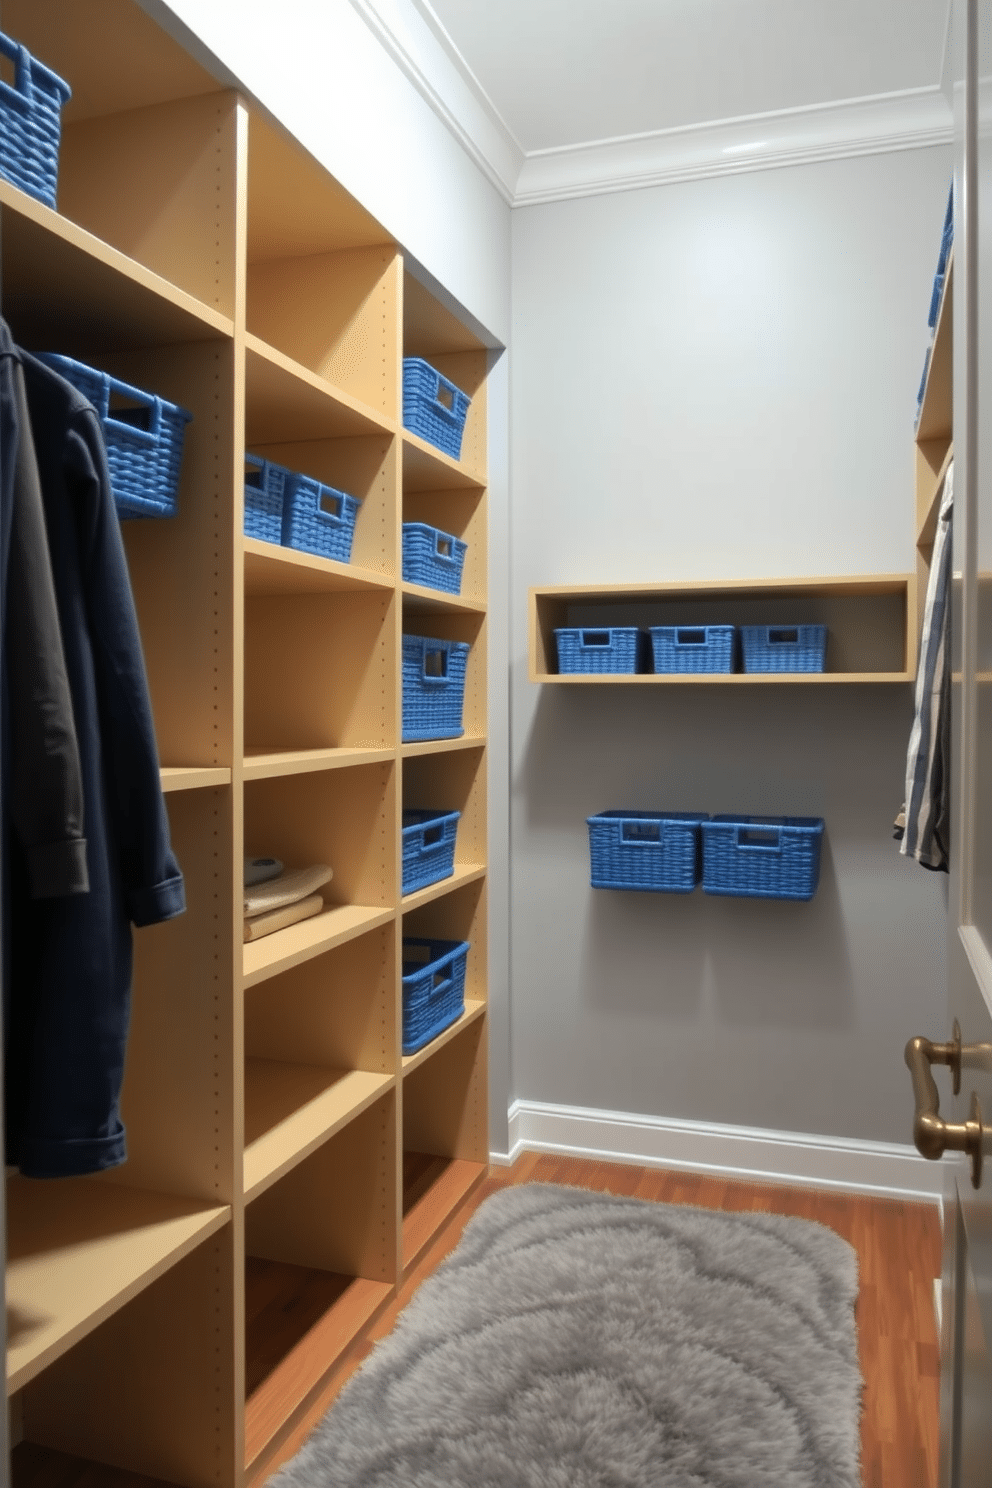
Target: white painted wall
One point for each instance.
(718, 379)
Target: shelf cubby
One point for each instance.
(168, 1411)
(442, 623)
(457, 914)
(109, 1241)
(452, 783)
(870, 620)
(286, 401)
(444, 1146)
(316, 670)
(463, 514)
(334, 1264)
(262, 765)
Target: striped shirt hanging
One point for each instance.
(928, 794)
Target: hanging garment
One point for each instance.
(42, 776)
(71, 958)
(928, 791)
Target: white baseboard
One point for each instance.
(886, 1169)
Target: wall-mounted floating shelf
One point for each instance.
(871, 622)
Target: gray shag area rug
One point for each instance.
(578, 1340)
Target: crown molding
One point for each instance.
(447, 85)
(415, 38)
(864, 126)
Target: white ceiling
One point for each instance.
(562, 73)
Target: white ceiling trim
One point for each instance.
(418, 43)
(447, 84)
(865, 126)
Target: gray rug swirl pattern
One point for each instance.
(578, 1340)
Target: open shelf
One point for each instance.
(271, 569)
(426, 468)
(287, 948)
(465, 873)
(473, 1011)
(930, 489)
(259, 766)
(297, 1319)
(433, 1188)
(193, 777)
(936, 410)
(291, 1108)
(870, 622)
(65, 289)
(78, 1250)
(418, 600)
(442, 746)
(286, 401)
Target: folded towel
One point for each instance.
(294, 884)
(278, 919)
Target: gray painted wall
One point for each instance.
(715, 380)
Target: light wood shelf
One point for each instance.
(78, 1250)
(193, 777)
(291, 1108)
(465, 873)
(453, 1179)
(201, 252)
(271, 569)
(263, 766)
(870, 622)
(473, 1011)
(286, 948)
(428, 469)
(936, 410)
(929, 494)
(335, 1310)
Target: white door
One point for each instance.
(966, 1344)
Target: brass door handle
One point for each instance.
(932, 1134)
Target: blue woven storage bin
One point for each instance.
(428, 847)
(762, 857)
(433, 688)
(433, 407)
(601, 648)
(693, 648)
(265, 485)
(432, 558)
(659, 850)
(318, 518)
(433, 988)
(31, 123)
(784, 648)
(144, 439)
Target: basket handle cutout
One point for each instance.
(436, 663)
(253, 475)
(441, 977)
(446, 397)
(595, 638)
(443, 546)
(640, 831)
(432, 835)
(330, 505)
(690, 637)
(767, 839)
(136, 411)
(783, 637)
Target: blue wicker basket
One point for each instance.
(784, 648)
(428, 847)
(432, 558)
(762, 857)
(265, 485)
(433, 688)
(31, 123)
(433, 988)
(601, 649)
(657, 850)
(144, 438)
(318, 518)
(693, 648)
(433, 407)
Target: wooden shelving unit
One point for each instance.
(178, 1316)
(935, 432)
(871, 623)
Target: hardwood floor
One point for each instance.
(898, 1248)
